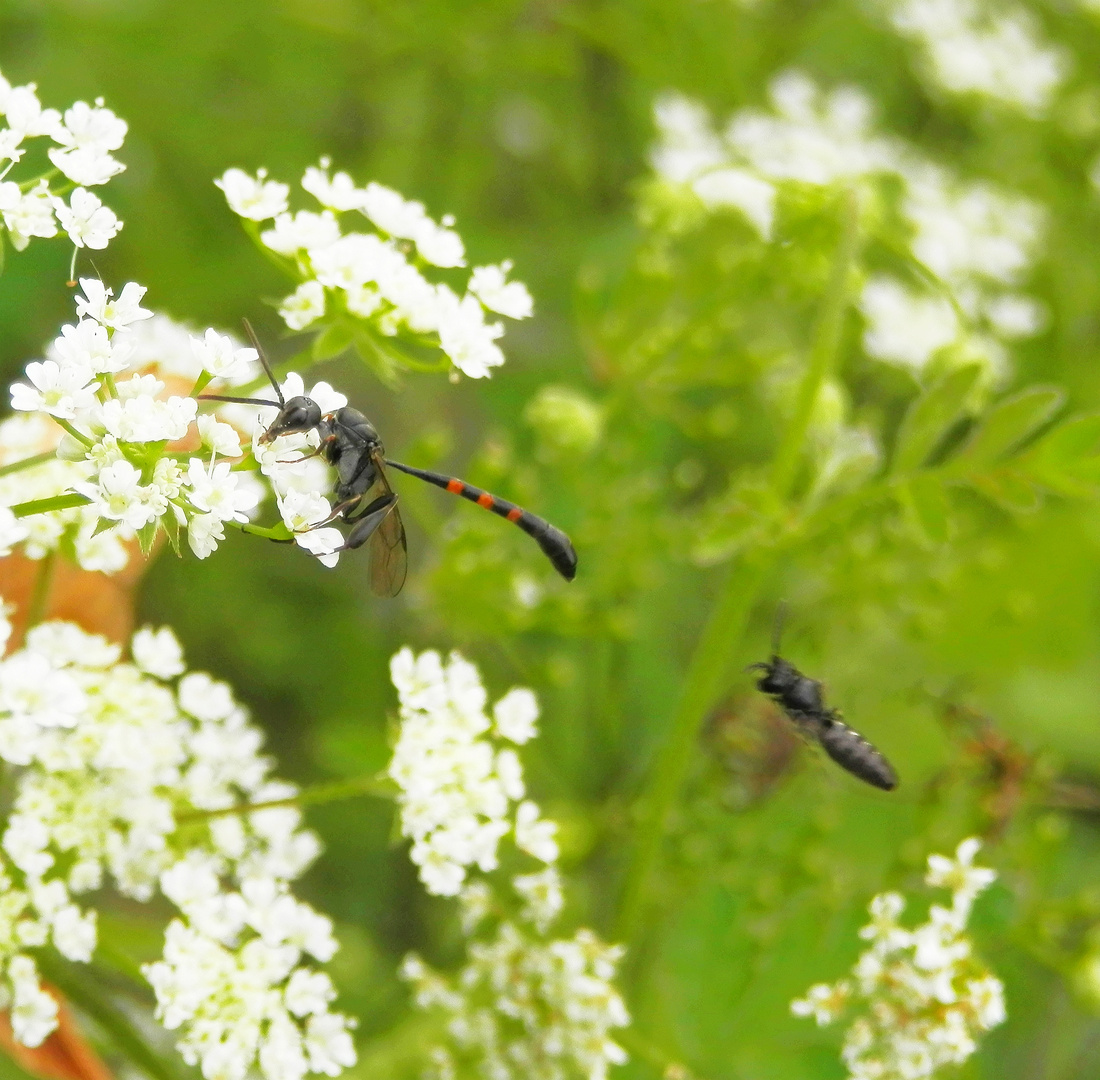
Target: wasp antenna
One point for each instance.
(263, 360)
(239, 400)
(777, 626)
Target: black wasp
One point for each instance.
(350, 443)
(801, 699)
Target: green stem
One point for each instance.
(273, 532)
(67, 501)
(109, 382)
(78, 435)
(826, 341)
(28, 463)
(312, 796)
(287, 266)
(40, 598)
(702, 685)
(726, 625)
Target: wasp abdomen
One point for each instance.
(853, 752)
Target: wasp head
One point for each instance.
(779, 676)
(298, 414)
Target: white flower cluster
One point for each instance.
(526, 1005)
(997, 54)
(461, 784)
(103, 400)
(924, 1000)
(297, 474)
(378, 276)
(976, 242)
(112, 757)
(84, 139)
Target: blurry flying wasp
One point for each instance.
(801, 699)
(351, 445)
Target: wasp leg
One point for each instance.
(366, 524)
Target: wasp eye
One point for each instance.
(298, 414)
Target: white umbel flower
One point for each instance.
(108, 755)
(381, 273)
(923, 1000)
(527, 1005)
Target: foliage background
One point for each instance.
(531, 121)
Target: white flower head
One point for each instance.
(96, 303)
(304, 306)
(255, 198)
(86, 220)
(88, 345)
(204, 533)
(158, 652)
(490, 285)
(516, 714)
(959, 874)
(336, 193)
(303, 231)
(59, 391)
(535, 835)
(27, 214)
(215, 491)
(221, 357)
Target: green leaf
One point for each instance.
(1010, 489)
(384, 361)
(172, 529)
(926, 503)
(332, 341)
(146, 535)
(930, 417)
(93, 998)
(1066, 460)
(102, 525)
(1006, 426)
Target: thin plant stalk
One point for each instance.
(40, 597)
(726, 624)
(311, 796)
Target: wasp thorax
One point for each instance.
(783, 680)
(298, 414)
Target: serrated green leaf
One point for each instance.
(172, 529)
(929, 418)
(102, 525)
(1006, 426)
(926, 504)
(146, 535)
(332, 341)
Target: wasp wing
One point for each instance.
(389, 558)
(389, 554)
